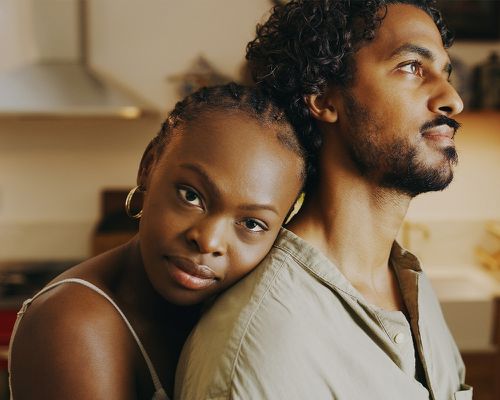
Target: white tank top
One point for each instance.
(159, 391)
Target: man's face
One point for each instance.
(395, 117)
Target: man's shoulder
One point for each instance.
(278, 280)
(270, 290)
(244, 325)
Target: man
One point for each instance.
(338, 309)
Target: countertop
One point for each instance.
(21, 279)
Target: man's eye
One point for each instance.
(254, 225)
(190, 196)
(413, 67)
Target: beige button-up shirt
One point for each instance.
(295, 328)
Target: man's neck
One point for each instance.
(354, 223)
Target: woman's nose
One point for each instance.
(209, 236)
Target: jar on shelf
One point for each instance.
(487, 87)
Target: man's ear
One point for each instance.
(322, 107)
(148, 161)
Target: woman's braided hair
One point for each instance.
(307, 45)
(231, 97)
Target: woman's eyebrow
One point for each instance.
(257, 207)
(199, 170)
(214, 189)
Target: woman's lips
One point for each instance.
(189, 274)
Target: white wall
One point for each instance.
(17, 45)
(144, 43)
(51, 176)
(48, 168)
(38, 30)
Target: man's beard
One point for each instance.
(395, 165)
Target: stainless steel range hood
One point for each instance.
(60, 85)
(64, 90)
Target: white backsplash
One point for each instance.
(449, 243)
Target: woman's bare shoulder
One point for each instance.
(72, 343)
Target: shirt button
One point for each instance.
(399, 338)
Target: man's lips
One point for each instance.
(190, 274)
(441, 132)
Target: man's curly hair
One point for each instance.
(307, 45)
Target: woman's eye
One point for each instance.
(414, 68)
(254, 225)
(190, 196)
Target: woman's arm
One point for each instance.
(71, 344)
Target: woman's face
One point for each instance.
(214, 203)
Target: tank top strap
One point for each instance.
(160, 393)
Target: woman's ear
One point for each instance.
(322, 107)
(148, 161)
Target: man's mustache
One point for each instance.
(441, 120)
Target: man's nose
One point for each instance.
(445, 100)
(209, 236)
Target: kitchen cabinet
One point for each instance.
(483, 369)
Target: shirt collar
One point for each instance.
(405, 264)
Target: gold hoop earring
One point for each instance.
(128, 201)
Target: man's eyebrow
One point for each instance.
(413, 48)
(421, 51)
(212, 186)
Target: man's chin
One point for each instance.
(431, 183)
(433, 158)
(418, 182)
